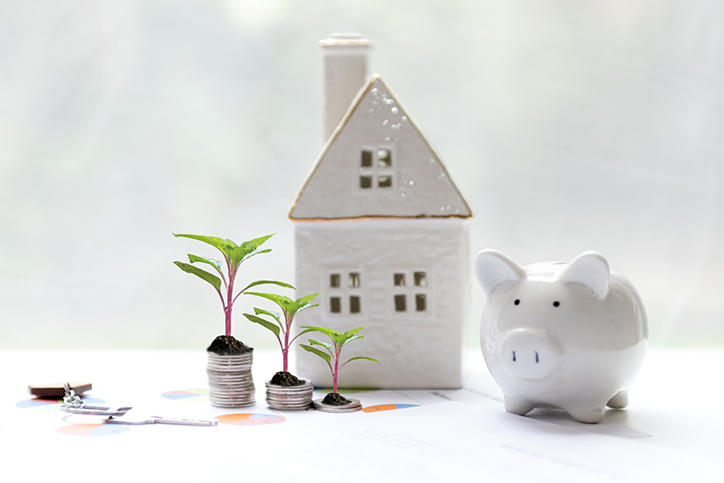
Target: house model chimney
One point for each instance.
(345, 71)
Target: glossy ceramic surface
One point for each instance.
(570, 335)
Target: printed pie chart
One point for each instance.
(188, 395)
(94, 429)
(37, 404)
(387, 407)
(250, 419)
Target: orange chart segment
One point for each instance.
(387, 407)
(250, 419)
(93, 429)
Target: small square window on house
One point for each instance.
(420, 279)
(399, 279)
(334, 280)
(384, 181)
(366, 159)
(400, 303)
(365, 181)
(354, 305)
(384, 158)
(353, 280)
(335, 305)
(420, 302)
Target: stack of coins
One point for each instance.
(352, 406)
(289, 397)
(230, 382)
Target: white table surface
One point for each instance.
(673, 420)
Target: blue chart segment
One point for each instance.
(188, 395)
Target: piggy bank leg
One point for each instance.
(587, 414)
(619, 401)
(518, 406)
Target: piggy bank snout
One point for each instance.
(529, 354)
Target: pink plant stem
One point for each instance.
(285, 350)
(229, 302)
(336, 370)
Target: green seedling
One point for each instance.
(234, 256)
(282, 328)
(333, 350)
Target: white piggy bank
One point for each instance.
(571, 335)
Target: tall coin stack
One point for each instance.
(289, 397)
(230, 382)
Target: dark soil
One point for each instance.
(228, 345)
(335, 399)
(286, 379)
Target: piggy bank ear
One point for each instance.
(591, 270)
(493, 269)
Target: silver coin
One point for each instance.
(353, 405)
(225, 369)
(273, 390)
(228, 368)
(230, 399)
(289, 407)
(289, 401)
(231, 394)
(288, 396)
(233, 391)
(231, 357)
(231, 380)
(245, 404)
(229, 375)
(215, 388)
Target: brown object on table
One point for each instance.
(58, 390)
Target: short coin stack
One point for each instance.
(352, 406)
(289, 397)
(230, 382)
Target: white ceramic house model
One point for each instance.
(381, 231)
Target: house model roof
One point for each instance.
(377, 164)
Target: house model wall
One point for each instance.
(381, 231)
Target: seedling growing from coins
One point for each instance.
(331, 355)
(234, 255)
(280, 326)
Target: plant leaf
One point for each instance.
(254, 253)
(209, 261)
(323, 344)
(353, 338)
(362, 357)
(225, 246)
(302, 303)
(204, 275)
(333, 334)
(264, 323)
(285, 303)
(275, 315)
(260, 241)
(269, 282)
(247, 249)
(317, 352)
(306, 307)
(214, 241)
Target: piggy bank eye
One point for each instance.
(556, 303)
(517, 302)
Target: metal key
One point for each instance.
(125, 419)
(89, 410)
